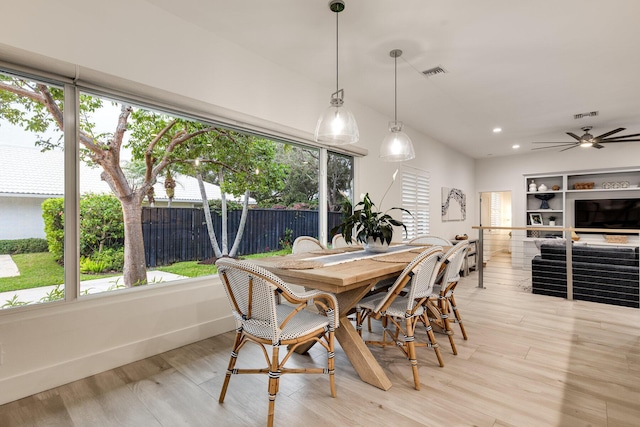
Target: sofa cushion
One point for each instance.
(607, 275)
(593, 254)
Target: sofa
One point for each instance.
(608, 275)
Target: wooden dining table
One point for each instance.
(350, 281)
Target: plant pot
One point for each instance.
(552, 223)
(375, 246)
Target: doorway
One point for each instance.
(495, 211)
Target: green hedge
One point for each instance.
(23, 246)
(101, 227)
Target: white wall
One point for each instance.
(52, 344)
(21, 218)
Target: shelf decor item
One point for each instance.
(583, 185)
(545, 200)
(610, 238)
(532, 187)
(535, 219)
(542, 187)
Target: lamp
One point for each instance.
(337, 125)
(397, 145)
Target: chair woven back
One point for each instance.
(338, 241)
(431, 240)
(420, 273)
(305, 244)
(454, 259)
(251, 293)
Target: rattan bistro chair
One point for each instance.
(262, 320)
(402, 311)
(430, 240)
(443, 292)
(304, 244)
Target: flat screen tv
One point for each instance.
(607, 213)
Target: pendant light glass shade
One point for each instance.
(337, 125)
(396, 146)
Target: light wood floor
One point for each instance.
(530, 360)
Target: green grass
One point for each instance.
(194, 269)
(189, 269)
(37, 270)
(40, 269)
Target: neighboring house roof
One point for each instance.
(27, 171)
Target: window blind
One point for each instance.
(415, 198)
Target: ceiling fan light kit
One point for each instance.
(588, 140)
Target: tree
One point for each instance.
(38, 107)
(239, 164)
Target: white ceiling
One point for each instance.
(527, 67)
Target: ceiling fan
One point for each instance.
(588, 140)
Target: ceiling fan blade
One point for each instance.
(633, 135)
(573, 135)
(574, 146)
(554, 146)
(551, 142)
(596, 145)
(606, 141)
(604, 135)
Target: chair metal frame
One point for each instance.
(253, 294)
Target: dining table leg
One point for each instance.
(354, 346)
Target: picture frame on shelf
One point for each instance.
(535, 219)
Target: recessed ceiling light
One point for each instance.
(515, 146)
(497, 130)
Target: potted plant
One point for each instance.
(370, 226)
(552, 220)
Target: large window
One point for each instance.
(31, 192)
(161, 196)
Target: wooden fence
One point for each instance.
(180, 234)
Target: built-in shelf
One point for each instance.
(616, 181)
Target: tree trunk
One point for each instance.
(135, 266)
(223, 208)
(207, 217)
(243, 221)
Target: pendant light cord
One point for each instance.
(395, 88)
(337, 60)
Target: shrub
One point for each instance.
(216, 206)
(101, 224)
(53, 215)
(287, 239)
(112, 258)
(87, 265)
(23, 246)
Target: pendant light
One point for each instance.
(396, 146)
(337, 126)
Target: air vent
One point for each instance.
(583, 115)
(434, 71)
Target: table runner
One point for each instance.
(340, 258)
